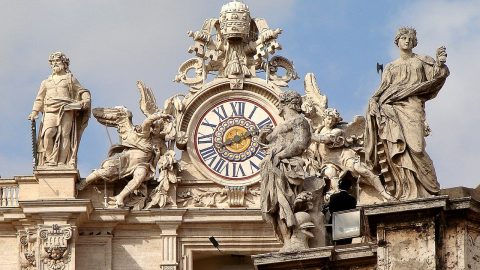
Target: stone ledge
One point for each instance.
(109, 215)
(463, 204)
(199, 215)
(8, 214)
(73, 206)
(324, 256)
(406, 206)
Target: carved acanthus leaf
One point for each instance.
(219, 197)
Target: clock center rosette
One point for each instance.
(235, 139)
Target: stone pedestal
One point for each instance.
(441, 232)
(56, 183)
(406, 233)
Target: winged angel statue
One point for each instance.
(336, 147)
(141, 150)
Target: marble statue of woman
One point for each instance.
(395, 128)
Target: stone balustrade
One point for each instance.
(8, 193)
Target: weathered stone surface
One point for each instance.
(168, 223)
(141, 151)
(396, 127)
(431, 233)
(284, 202)
(55, 184)
(9, 253)
(342, 257)
(65, 106)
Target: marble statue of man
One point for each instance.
(65, 106)
(283, 171)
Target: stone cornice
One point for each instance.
(315, 256)
(65, 209)
(406, 206)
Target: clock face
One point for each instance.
(226, 138)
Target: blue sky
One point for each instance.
(112, 44)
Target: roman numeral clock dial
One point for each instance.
(226, 139)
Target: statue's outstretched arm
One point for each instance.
(148, 122)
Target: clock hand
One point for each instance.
(249, 133)
(227, 142)
(238, 138)
(235, 139)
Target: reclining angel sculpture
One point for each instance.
(336, 146)
(141, 148)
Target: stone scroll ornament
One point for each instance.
(234, 46)
(395, 120)
(28, 246)
(65, 106)
(284, 201)
(142, 149)
(55, 249)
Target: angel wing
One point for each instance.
(314, 102)
(148, 103)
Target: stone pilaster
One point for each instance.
(169, 224)
(50, 240)
(56, 247)
(169, 248)
(47, 247)
(28, 251)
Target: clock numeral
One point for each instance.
(254, 167)
(260, 154)
(208, 153)
(208, 124)
(205, 138)
(220, 112)
(253, 111)
(237, 168)
(238, 108)
(265, 122)
(219, 166)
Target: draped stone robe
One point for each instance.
(400, 124)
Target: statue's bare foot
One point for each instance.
(119, 201)
(115, 201)
(387, 197)
(50, 163)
